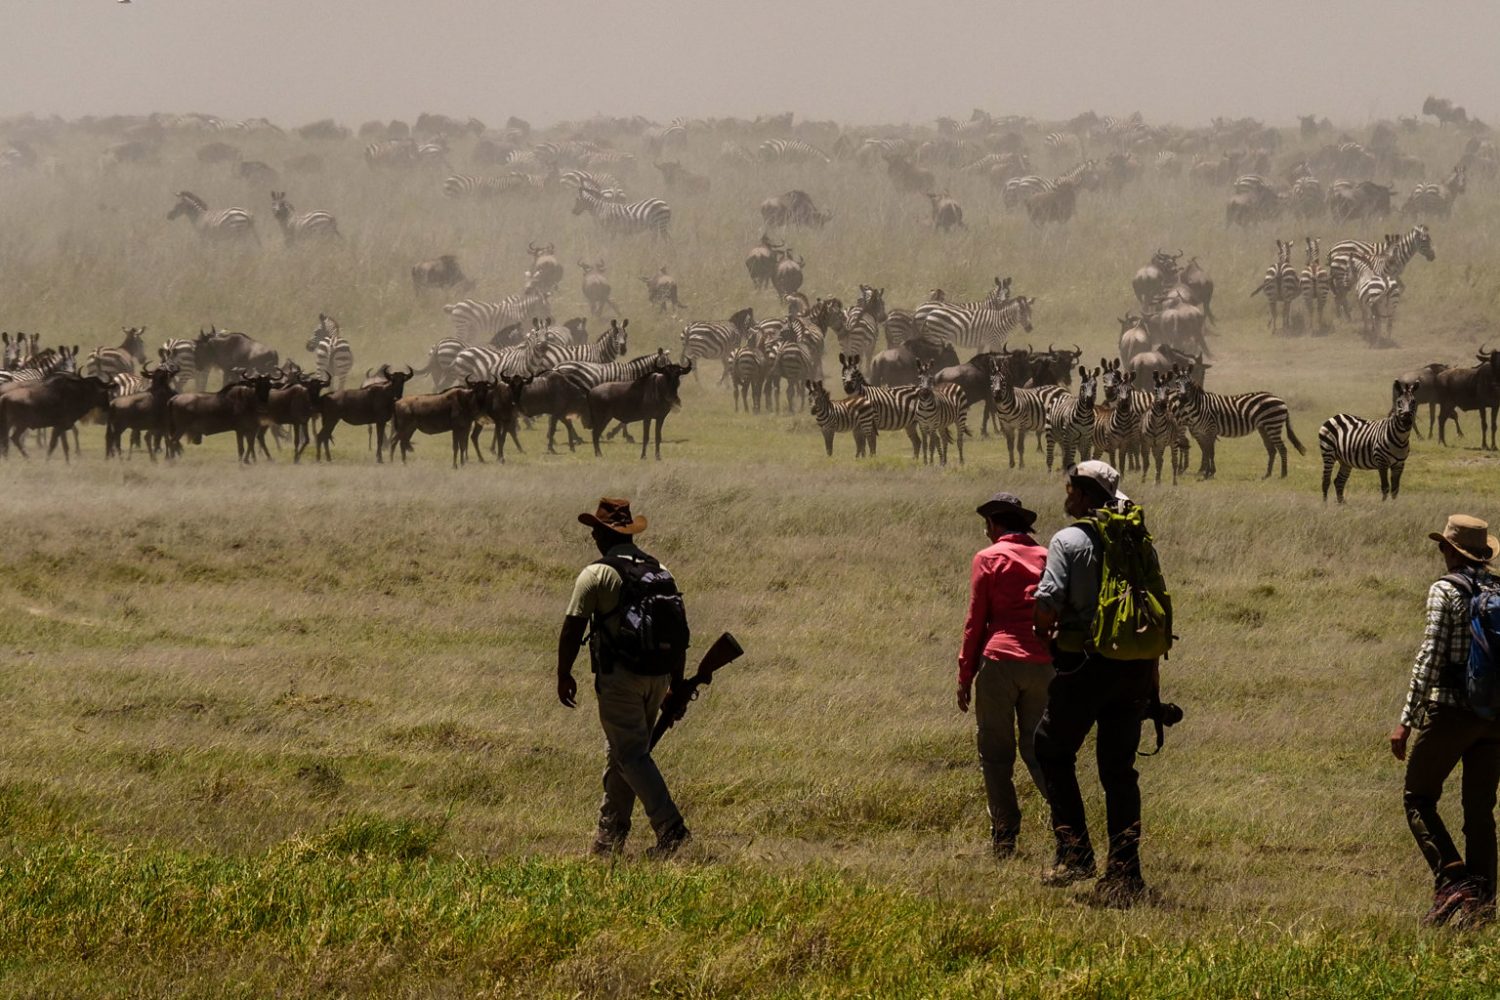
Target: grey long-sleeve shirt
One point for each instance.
(1070, 585)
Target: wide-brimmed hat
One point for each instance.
(1469, 536)
(614, 515)
(1006, 503)
(1106, 475)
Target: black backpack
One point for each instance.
(653, 627)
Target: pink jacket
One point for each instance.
(1002, 596)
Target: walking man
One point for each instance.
(1090, 689)
(1448, 731)
(1003, 668)
(630, 686)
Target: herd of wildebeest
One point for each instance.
(917, 368)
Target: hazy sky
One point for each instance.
(869, 61)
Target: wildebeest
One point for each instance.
(440, 272)
(1476, 388)
(794, 208)
(908, 177)
(371, 403)
(661, 291)
(1134, 339)
(294, 403)
(1055, 205)
(546, 271)
(502, 405)
(559, 400)
(1258, 204)
(237, 407)
(649, 398)
(1156, 277)
(788, 277)
(898, 365)
(57, 402)
(453, 411)
(225, 350)
(596, 288)
(946, 213)
(675, 175)
(1162, 361)
(142, 412)
(1359, 201)
(762, 259)
(1425, 379)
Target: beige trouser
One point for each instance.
(1008, 694)
(628, 706)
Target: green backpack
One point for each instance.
(1134, 617)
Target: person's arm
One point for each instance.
(569, 640)
(1424, 672)
(1052, 590)
(976, 631)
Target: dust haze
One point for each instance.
(293, 60)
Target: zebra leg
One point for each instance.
(962, 430)
(1385, 484)
(911, 434)
(1049, 451)
(1342, 480)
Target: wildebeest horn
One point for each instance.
(532, 247)
(1077, 350)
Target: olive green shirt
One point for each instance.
(597, 590)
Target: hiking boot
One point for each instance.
(607, 847)
(1118, 890)
(669, 844)
(1447, 902)
(1066, 873)
(1474, 911)
(1003, 844)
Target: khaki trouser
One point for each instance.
(1008, 693)
(1451, 735)
(628, 706)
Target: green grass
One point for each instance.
(292, 728)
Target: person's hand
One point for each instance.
(567, 690)
(1398, 741)
(964, 693)
(674, 706)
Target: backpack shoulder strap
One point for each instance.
(1461, 582)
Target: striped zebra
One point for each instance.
(107, 362)
(747, 370)
(484, 363)
(1070, 421)
(982, 327)
(651, 215)
(792, 362)
(1117, 427)
(790, 151)
(1398, 250)
(1022, 189)
(307, 226)
(1307, 197)
(584, 376)
(1209, 416)
(330, 351)
(50, 361)
(1281, 286)
(861, 332)
(609, 189)
(475, 186)
(716, 340)
(657, 136)
(938, 408)
(610, 346)
(224, 225)
(900, 326)
(1314, 282)
(1378, 294)
(391, 153)
(1160, 429)
(895, 408)
(183, 354)
(1018, 412)
(853, 415)
(1356, 443)
(477, 320)
(440, 361)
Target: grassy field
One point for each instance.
(291, 729)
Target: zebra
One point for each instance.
(1356, 443)
(1022, 189)
(1378, 294)
(605, 184)
(983, 327)
(227, 224)
(716, 340)
(1160, 429)
(440, 360)
(482, 320)
(1280, 286)
(52, 360)
(939, 406)
(1398, 250)
(1070, 420)
(895, 407)
(790, 151)
(1437, 199)
(183, 354)
(652, 214)
(1314, 283)
(610, 345)
(793, 363)
(127, 384)
(476, 186)
(1209, 416)
(853, 414)
(1018, 412)
(861, 332)
(331, 352)
(307, 226)
(1119, 434)
(107, 362)
(484, 363)
(584, 375)
(388, 153)
(747, 371)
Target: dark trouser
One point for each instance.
(1452, 734)
(1008, 695)
(1113, 694)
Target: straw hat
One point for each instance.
(1469, 536)
(614, 515)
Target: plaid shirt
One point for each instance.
(1445, 645)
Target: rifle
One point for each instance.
(725, 650)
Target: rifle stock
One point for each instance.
(725, 650)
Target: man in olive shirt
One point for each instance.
(629, 699)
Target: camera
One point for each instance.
(1164, 713)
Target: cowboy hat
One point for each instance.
(1469, 537)
(614, 515)
(1006, 503)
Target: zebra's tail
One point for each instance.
(1291, 436)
